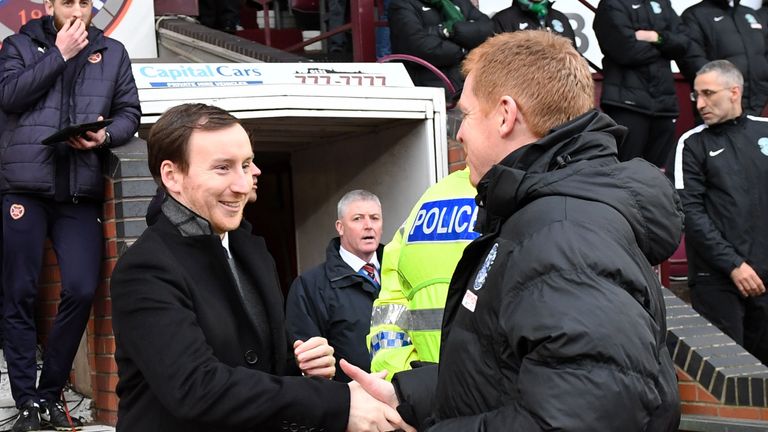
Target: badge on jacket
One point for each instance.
(483, 273)
(17, 211)
(469, 301)
(753, 23)
(763, 144)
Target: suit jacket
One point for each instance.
(334, 301)
(188, 354)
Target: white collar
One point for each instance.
(355, 261)
(225, 243)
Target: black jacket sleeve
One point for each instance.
(674, 40)
(125, 109)
(305, 312)
(700, 231)
(423, 42)
(696, 56)
(616, 36)
(415, 390)
(24, 82)
(475, 30)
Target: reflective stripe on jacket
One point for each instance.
(417, 268)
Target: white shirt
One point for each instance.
(356, 263)
(225, 243)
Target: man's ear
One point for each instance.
(508, 114)
(171, 176)
(48, 6)
(339, 228)
(736, 94)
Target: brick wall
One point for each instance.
(696, 400)
(101, 341)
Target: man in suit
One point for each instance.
(334, 298)
(198, 316)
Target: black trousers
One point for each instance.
(649, 137)
(745, 320)
(219, 14)
(75, 231)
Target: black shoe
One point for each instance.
(52, 415)
(29, 418)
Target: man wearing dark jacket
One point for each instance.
(638, 40)
(198, 315)
(58, 71)
(533, 15)
(440, 32)
(334, 299)
(721, 169)
(554, 318)
(723, 29)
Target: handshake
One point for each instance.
(372, 402)
(372, 399)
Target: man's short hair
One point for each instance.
(169, 136)
(727, 71)
(352, 196)
(548, 79)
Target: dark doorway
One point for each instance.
(272, 213)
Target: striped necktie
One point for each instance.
(370, 270)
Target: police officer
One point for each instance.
(418, 265)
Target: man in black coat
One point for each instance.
(440, 32)
(721, 169)
(334, 299)
(638, 40)
(197, 312)
(533, 15)
(726, 30)
(554, 318)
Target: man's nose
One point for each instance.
(244, 182)
(459, 133)
(700, 103)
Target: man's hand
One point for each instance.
(747, 281)
(374, 384)
(315, 357)
(367, 414)
(72, 38)
(646, 36)
(91, 139)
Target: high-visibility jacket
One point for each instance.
(417, 268)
